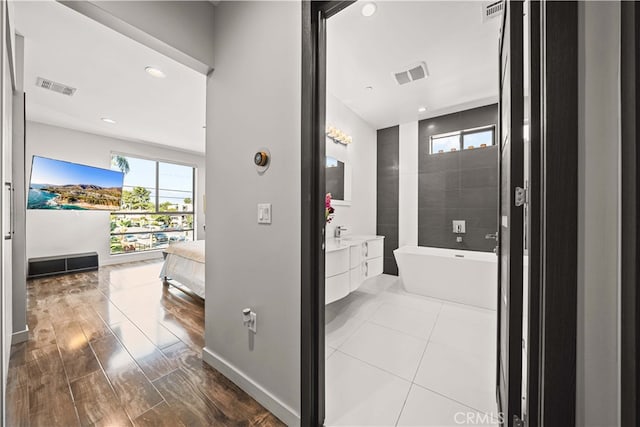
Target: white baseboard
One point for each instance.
(266, 399)
(20, 336)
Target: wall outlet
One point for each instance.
(253, 323)
(249, 319)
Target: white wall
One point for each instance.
(52, 232)
(253, 100)
(408, 194)
(360, 216)
(598, 285)
(181, 29)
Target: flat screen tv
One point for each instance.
(60, 185)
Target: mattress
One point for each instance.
(185, 264)
(189, 250)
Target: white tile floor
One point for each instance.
(398, 359)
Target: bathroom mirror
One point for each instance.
(338, 181)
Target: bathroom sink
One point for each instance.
(361, 238)
(336, 244)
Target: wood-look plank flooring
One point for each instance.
(115, 347)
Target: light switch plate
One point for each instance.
(264, 213)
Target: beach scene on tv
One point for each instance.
(56, 184)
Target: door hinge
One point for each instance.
(517, 422)
(521, 196)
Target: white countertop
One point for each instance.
(345, 242)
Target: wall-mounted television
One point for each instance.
(60, 185)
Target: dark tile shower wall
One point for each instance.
(388, 186)
(460, 185)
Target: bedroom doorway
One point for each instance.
(111, 106)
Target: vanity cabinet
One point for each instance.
(373, 257)
(356, 272)
(349, 262)
(337, 277)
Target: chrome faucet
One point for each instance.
(338, 231)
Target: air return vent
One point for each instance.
(492, 10)
(414, 72)
(56, 87)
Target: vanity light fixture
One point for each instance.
(338, 136)
(155, 72)
(108, 120)
(369, 9)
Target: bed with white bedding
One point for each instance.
(184, 263)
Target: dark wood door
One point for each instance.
(509, 366)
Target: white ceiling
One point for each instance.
(108, 69)
(460, 51)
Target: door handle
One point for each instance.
(9, 234)
(493, 236)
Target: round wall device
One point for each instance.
(262, 160)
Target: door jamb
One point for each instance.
(630, 197)
(533, 222)
(312, 376)
(559, 213)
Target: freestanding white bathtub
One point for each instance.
(466, 277)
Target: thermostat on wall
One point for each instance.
(262, 160)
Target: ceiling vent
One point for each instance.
(56, 87)
(414, 72)
(492, 10)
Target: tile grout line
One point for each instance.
(151, 409)
(129, 353)
(453, 400)
(425, 347)
(95, 356)
(419, 363)
(66, 375)
(104, 372)
(372, 366)
(367, 319)
(135, 361)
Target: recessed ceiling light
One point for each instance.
(108, 120)
(368, 87)
(369, 9)
(155, 72)
(422, 109)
